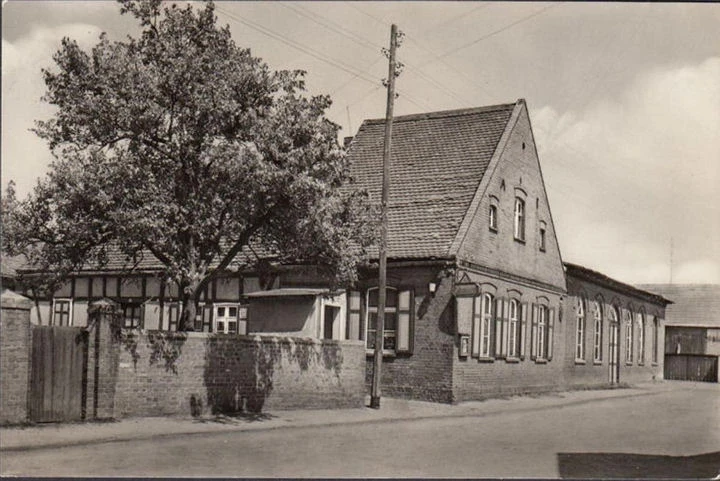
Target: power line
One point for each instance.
(500, 30)
(315, 54)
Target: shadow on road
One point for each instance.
(237, 418)
(643, 466)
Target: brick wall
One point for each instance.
(15, 344)
(517, 174)
(475, 378)
(192, 373)
(596, 373)
(426, 374)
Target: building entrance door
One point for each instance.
(614, 353)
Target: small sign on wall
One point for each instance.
(464, 350)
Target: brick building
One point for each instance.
(477, 288)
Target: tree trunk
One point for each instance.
(189, 297)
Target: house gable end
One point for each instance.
(514, 174)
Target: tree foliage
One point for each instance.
(181, 144)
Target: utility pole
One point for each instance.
(380, 322)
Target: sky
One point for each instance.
(624, 101)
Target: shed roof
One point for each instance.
(438, 160)
(694, 304)
(289, 292)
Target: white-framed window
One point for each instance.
(486, 322)
(542, 332)
(62, 312)
(132, 314)
(230, 319)
(628, 337)
(389, 327)
(492, 217)
(514, 329)
(598, 331)
(655, 339)
(641, 337)
(580, 330)
(519, 219)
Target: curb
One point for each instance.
(301, 425)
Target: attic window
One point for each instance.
(492, 218)
(542, 236)
(519, 219)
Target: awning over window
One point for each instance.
(289, 292)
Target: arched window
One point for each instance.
(580, 330)
(488, 306)
(628, 336)
(513, 338)
(542, 331)
(492, 222)
(655, 340)
(598, 326)
(641, 337)
(519, 219)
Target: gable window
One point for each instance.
(132, 314)
(628, 337)
(580, 330)
(542, 236)
(641, 338)
(598, 328)
(513, 337)
(62, 312)
(492, 218)
(519, 219)
(230, 319)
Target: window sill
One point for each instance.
(512, 360)
(654, 364)
(520, 241)
(580, 361)
(493, 230)
(371, 353)
(541, 361)
(486, 359)
(597, 363)
(628, 363)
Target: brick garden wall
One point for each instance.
(15, 346)
(193, 373)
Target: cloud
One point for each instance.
(627, 174)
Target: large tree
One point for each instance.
(181, 144)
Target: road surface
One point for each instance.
(641, 436)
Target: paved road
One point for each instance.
(639, 436)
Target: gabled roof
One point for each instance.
(693, 304)
(438, 161)
(600, 279)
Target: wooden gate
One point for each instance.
(58, 375)
(691, 367)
